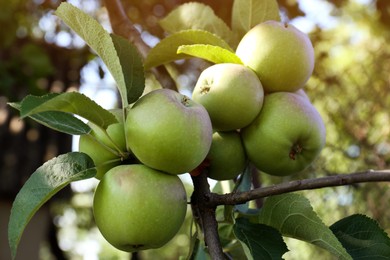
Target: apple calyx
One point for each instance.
(295, 150)
(185, 101)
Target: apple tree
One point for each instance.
(248, 116)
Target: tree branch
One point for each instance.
(307, 184)
(205, 216)
(121, 25)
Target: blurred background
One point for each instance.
(350, 87)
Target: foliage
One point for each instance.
(286, 215)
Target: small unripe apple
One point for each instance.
(226, 157)
(103, 148)
(280, 54)
(169, 132)
(138, 208)
(286, 136)
(231, 93)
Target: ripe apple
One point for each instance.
(169, 132)
(226, 157)
(137, 208)
(280, 54)
(231, 93)
(103, 148)
(286, 136)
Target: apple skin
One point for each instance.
(226, 157)
(138, 208)
(231, 93)
(286, 136)
(167, 131)
(101, 149)
(280, 54)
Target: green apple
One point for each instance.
(106, 149)
(138, 208)
(226, 157)
(231, 93)
(280, 54)
(169, 132)
(286, 136)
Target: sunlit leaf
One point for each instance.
(248, 13)
(166, 50)
(46, 181)
(293, 216)
(362, 237)
(195, 16)
(108, 49)
(263, 242)
(68, 102)
(210, 53)
(133, 69)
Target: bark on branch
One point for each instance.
(298, 185)
(205, 216)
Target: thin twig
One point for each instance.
(122, 25)
(298, 185)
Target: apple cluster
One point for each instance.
(255, 111)
(140, 202)
(258, 109)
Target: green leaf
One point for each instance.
(62, 122)
(59, 121)
(105, 47)
(195, 16)
(293, 216)
(362, 237)
(46, 181)
(263, 242)
(210, 53)
(248, 13)
(166, 50)
(133, 69)
(244, 184)
(68, 102)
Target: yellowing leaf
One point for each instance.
(166, 50)
(210, 53)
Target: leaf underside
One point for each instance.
(214, 54)
(195, 16)
(248, 13)
(68, 102)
